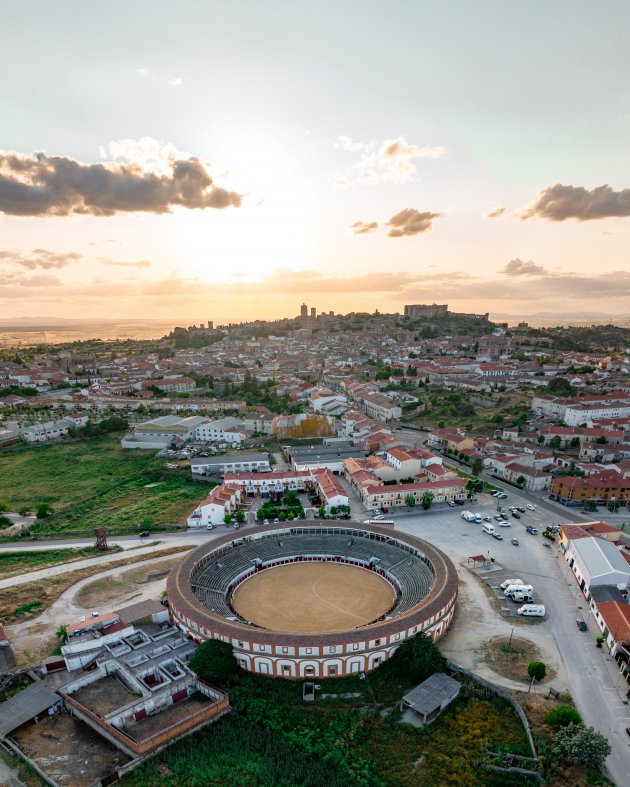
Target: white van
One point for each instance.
(508, 582)
(510, 589)
(478, 519)
(532, 610)
(488, 529)
(524, 596)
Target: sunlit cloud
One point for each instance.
(517, 267)
(392, 160)
(559, 203)
(60, 186)
(497, 211)
(37, 258)
(364, 227)
(409, 222)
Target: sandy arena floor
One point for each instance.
(313, 597)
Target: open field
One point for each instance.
(324, 597)
(92, 483)
(102, 591)
(13, 564)
(275, 738)
(34, 597)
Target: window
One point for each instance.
(332, 649)
(309, 651)
(285, 650)
(355, 646)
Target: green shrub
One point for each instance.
(562, 715)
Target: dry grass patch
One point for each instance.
(44, 592)
(509, 656)
(101, 591)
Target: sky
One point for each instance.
(229, 161)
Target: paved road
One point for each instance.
(584, 670)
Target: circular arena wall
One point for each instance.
(421, 579)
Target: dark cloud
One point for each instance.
(559, 203)
(364, 227)
(497, 211)
(38, 258)
(410, 222)
(60, 186)
(519, 268)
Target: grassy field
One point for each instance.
(95, 483)
(12, 564)
(275, 738)
(31, 598)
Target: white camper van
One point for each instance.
(509, 582)
(532, 610)
(522, 595)
(511, 589)
(488, 529)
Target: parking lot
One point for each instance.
(587, 672)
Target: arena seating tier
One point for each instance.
(214, 576)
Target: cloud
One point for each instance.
(59, 186)
(497, 211)
(388, 161)
(517, 267)
(364, 227)
(37, 258)
(410, 222)
(559, 203)
(175, 81)
(143, 72)
(122, 264)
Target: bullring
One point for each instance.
(413, 583)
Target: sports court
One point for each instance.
(313, 597)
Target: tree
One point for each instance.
(520, 480)
(477, 466)
(474, 486)
(415, 659)
(410, 500)
(536, 670)
(240, 517)
(560, 385)
(62, 634)
(227, 519)
(581, 745)
(540, 439)
(321, 512)
(260, 515)
(555, 442)
(427, 499)
(5, 521)
(214, 662)
(562, 716)
(44, 510)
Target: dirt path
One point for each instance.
(34, 639)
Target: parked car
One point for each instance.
(581, 625)
(515, 542)
(531, 507)
(145, 534)
(505, 523)
(461, 502)
(521, 509)
(532, 610)
(516, 515)
(532, 530)
(498, 536)
(450, 504)
(487, 519)
(379, 516)
(498, 517)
